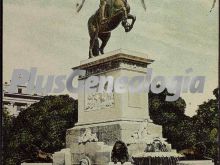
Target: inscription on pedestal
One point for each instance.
(98, 101)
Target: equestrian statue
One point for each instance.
(107, 18)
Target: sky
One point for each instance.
(177, 34)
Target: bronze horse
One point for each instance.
(115, 14)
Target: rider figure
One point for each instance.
(102, 9)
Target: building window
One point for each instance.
(19, 90)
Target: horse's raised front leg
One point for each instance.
(104, 38)
(133, 18)
(127, 26)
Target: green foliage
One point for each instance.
(41, 126)
(206, 125)
(6, 127)
(163, 112)
(171, 116)
(182, 131)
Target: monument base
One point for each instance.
(97, 143)
(110, 132)
(107, 118)
(93, 153)
(196, 162)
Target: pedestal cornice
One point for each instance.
(119, 59)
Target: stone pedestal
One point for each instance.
(103, 108)
(126, 163)
(93, 153)
(196, 162)
(112, 116)
(62, 157)
(104, 118)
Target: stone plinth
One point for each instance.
(126, 163)
(111, 115)
(104, 118)
(110, 132)
(107, 107)
(196, 162)
(36, 163)
(62, 157)
(96, 152)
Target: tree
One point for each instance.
(163, 112)
(206, 125)
(6, 127)
(171, 115)
(40, 128)
(198, 133)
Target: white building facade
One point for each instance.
(18, 101)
